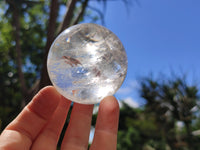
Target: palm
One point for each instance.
(39, 125)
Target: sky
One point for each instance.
(160, 36)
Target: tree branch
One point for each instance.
(84, 5)
(51, 34)
(99, 12)
(50, 37)
(71, 5)
(16, 30)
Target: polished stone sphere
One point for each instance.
(86, 63)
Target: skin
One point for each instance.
(40, 123)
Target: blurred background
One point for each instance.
(159, 100)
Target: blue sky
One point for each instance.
(159, 36)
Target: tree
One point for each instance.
(29, 22)
(27, 30)
(138, 130)
(28, 27)
(170, 101)
(154, 126)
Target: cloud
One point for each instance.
(129, 101)
(125, 90)
(134, 84)
(91, 137)
(95, 109)
(130, 87)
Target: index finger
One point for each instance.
(22, 131)
(105, 136)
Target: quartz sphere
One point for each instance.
(86, 63)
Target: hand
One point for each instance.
(39, 125)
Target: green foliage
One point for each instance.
(33, 19)
(129, 139)
(23, 26)
(154, 126)
(156, 145)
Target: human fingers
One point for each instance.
(105, 136)
(22, 131)
(49, 136)
(77, 134)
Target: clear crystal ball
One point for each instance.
(86, 63)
